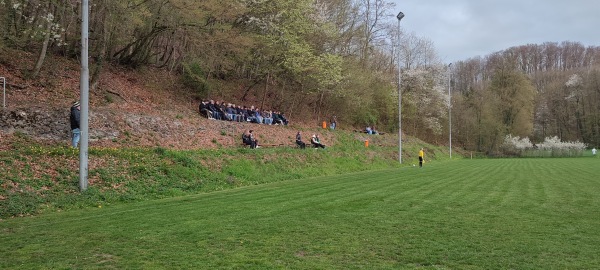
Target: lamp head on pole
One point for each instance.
(400, 16)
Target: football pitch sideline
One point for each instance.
(467, 214)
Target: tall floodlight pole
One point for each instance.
(399, 17)
(449, 110)
(84, 85)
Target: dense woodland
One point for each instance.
(317, 58)
(534, 91)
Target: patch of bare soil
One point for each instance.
(128, 108)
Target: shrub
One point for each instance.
(555, 148)
(514, 146)
(551, 147)
(554, 143)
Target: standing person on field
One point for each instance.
(74, 118)
(594, 151)
(421, 157)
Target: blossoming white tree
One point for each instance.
(552, 146)
(425, 99)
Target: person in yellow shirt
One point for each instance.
(421, 157)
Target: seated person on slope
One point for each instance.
(248, 139)
(316, 142)
(299, 141)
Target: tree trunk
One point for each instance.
(320, 105)
(42, 57)
(99, 65)
(262, 105)
(96, 73)
(255, 82)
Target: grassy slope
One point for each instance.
(468, 214)
(154, 115)
(39, 178)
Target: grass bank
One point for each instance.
(38, 178)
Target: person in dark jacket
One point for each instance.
(241, 114)
(231, 113)
(299, 141)
(203, 109)
(248, 139)
(283, 119)
(213, 108)
(279, 118)
(74, 118)
(222, 108)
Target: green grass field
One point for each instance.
(467, 214)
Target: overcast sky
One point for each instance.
(462, 29)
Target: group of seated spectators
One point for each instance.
(231, 112)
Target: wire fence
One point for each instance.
(553, 153)
(531, 153)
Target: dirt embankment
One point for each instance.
(127, 108)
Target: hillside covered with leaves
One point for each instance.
(311, 59)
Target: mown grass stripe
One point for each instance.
(478, 214)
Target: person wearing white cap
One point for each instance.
(74, 119)
(316, 142)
